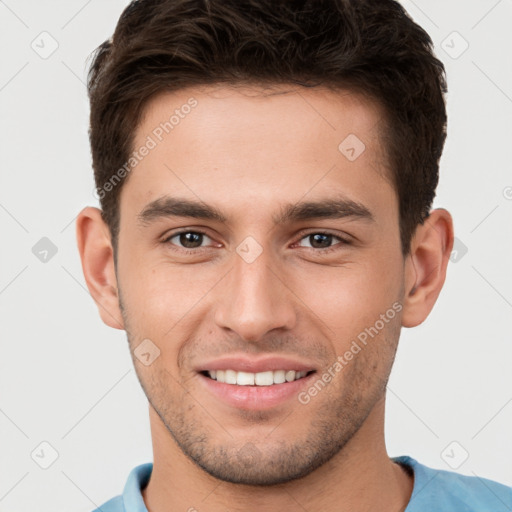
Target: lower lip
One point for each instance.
(256, 397)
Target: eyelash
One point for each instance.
(342, 241)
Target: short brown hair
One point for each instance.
(369, 46)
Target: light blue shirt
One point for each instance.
(434, 490)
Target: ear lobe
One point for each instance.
(426, 266)
(97, 256)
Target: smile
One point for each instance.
(267, 378)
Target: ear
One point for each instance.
(97, 255)
(425, 267)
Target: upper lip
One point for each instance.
(255, 365)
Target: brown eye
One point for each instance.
(188, 239)
(322, 240)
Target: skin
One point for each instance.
(249, 154)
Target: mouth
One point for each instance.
(266, 378)
(255, 391)
(255, 383)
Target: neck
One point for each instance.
(360, 477)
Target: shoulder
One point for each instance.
(447, 491)
(113, 505)
(131, 500)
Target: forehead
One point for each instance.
(217, 141)
(264, 111)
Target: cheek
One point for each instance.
(161, 299)
(352, 296)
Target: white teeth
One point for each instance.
(245, 379)
(230, 377)
(279, 377)
(264, 378)
(259, 379)
(290, 375)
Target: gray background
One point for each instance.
(66, 380)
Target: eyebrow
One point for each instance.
(333, 208)
(324, 209)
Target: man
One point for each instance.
(266, 172)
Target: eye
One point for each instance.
(191, 241)
(188, 239)
(323, 241)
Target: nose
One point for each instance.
(255, 299)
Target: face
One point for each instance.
(260, 246)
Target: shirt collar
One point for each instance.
(132, 493)
(139, 478)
